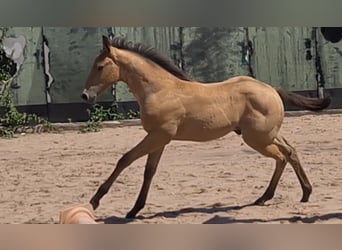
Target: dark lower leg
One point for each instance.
(150, 170)
(269, 193)
(303, 179)
(300, 173)
(103, 189)
(152, 142)
(271, 150)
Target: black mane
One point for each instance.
(150, 53)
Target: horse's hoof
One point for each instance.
(131, 215)
(304, 199)
(94, 203)
(259, 202)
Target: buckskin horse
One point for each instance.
(174, 107)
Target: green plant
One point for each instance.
(12, 121)
(98, 114)
(7, 67)
(132, 114)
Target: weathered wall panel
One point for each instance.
(280, 57)
(213, 54)
(161, 38)
(72, 51)
(331, 59)
(24, 45)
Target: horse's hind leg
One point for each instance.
(293, 159)
(273, 151)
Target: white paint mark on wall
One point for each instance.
(14, 48)
(47, 71)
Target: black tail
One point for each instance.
(313, 104)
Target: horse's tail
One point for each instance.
(313, 104)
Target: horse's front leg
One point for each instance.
(152, 142)
(150, 169)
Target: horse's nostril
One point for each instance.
(85, 96)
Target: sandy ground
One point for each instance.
(212, 182)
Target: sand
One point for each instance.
(212, 182)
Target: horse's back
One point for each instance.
(260, 95)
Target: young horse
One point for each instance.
(173, 107)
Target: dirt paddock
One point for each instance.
(212, 182)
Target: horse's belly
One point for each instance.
(201, 132)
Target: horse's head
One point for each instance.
(104, 73)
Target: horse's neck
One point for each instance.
(143, 77)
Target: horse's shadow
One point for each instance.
(294, 219)
(174, 213)
(222, 219)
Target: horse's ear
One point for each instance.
(106, 43)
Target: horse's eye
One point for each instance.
(100, 67)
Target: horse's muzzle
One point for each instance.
(88, 97)
(85, 97)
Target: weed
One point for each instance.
(98, 114)
(12, 121)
